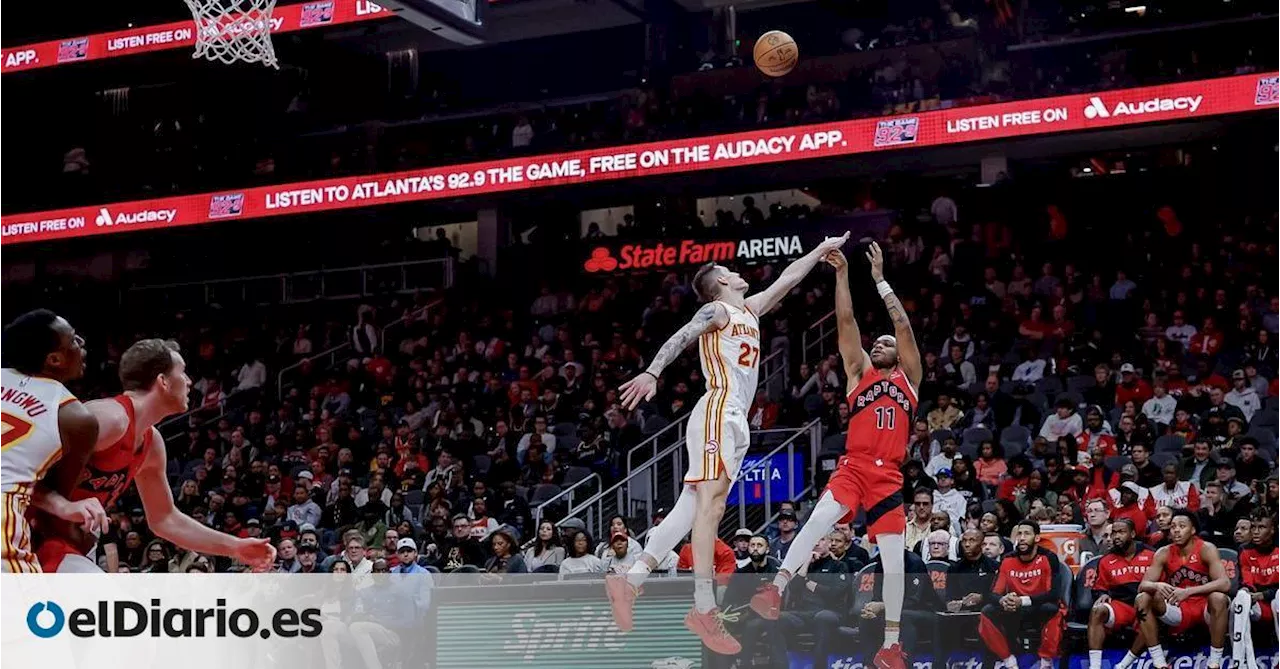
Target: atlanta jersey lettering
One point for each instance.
(1186, 570)
(1119, 576)
(731, 360)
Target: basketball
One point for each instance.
(776, 53)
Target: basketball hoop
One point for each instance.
(228, 31)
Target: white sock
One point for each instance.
(1011, 662)
(639, 572)
(704, 595)
(1095, 659)
(891, 556)
(664, 537)
(890, 635)
(1157, 656)
(823, 517)
(781, 580)
(1215, 657)
(1129, 658)
(1046, 663)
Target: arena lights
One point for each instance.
(1069, 113)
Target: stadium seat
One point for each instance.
(938, 574)
(1050, 386)
(482, 464)
(1231, 562)
(1015, 439)
(563, 430)
(863, 587)
(543, 492)
(573, 475)
(834, 443)
(940, 435)
(1166, 458)
(414, 498)
(1077, 399)
(1115, 462)
(976, 435)
(1170, 443)
(1079, 384)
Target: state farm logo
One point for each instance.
(228, 205)
(104, 217)
(1098, 109)
(73, 49)
(600, 261)
(316, 13)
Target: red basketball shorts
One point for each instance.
(1186, 615)
(874, 485)
(1122, 615)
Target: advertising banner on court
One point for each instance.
(1109, 109)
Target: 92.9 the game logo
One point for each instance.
(897, 131)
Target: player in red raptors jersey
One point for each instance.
(129, 448)
(1026, 587)
(1186, 585)
(1259, 567)
(882, 401)
(1115, 590)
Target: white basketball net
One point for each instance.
(228, 31)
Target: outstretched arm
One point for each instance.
(848, 334)
(767, 299)
(908, 351)
(173, 525)
(643, 386)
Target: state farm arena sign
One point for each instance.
(661, 255)
(1109, 109)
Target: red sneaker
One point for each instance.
(709, 627)
(891, 658)
(767, 602)
(622, 597)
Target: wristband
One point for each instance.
(883, 288)
(1026, 601)
(655, 376)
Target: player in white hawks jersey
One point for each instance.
(42, 423)
(727, 329)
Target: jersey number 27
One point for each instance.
(748, 355)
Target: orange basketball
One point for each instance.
(776, 53)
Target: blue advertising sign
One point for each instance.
(776, 473)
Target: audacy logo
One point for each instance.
(1097, 109)
(104, 217)
(56, 619)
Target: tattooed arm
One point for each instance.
(711, 317)
(908, 351)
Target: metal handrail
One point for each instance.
(811, 428)
(566, 492)
(617, 488)
(819, 338)
(333, 351)
(652, 440)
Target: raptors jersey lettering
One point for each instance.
(718, 435)
(1186, 570)
(880, 413)
(31, 444)
(1119, 576)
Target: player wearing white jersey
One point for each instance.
(727, 329)
(42, 423)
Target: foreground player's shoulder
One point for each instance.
(113, 420)
(76, 421)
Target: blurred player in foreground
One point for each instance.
(727, 329)
(882, 400)
(129, 447)
(42, 424)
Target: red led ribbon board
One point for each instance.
(285, 18)
(1088, 111)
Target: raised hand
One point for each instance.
(831, 244)
(837, 260)
(642, 387)
(876, 258)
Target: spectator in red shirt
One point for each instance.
(1132, 387)
(1206, 342)
(726, 561)
(764, 413)
(1130, 509)
(1019, 470)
